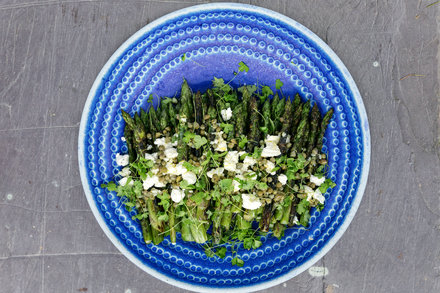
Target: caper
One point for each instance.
(314, 152)
(149, 136)
(224, 135)
(278, 198)
(196, 125)
(206, 117)
(272, 160)
(269, 179)
(323, 162)
(279, 185)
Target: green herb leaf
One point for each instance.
(237, 262)
(187, 136)
(198, 197)
(111, 186)
(183, 57)
(185, 185)
(303, 206)
(305, 217)
(243, 141)
(242, 67)
(226, 185)
(261, 185)
(264, 129)
(278, 84)
(199, 141)
(246, 184)
(221, 252)
(328, 183)
(219, 85)
(164, 200)
(163, 217)
(227, 127)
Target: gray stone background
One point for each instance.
(50, 54)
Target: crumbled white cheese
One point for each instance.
(123, 138)
(174, 169)
(295, 221)
(177, 195)
(160, 141)
(217, 171)
(249, 161)
(318, 196)
(317, 181)
(152, 157)
(123, 182)
(170, 153)
(190, 177)
(125, 172)
(272, 139)
(155, 171)
(226, 114)
(250, 201)
(149, 147)
(155, 191)
(151, 181)
(314, 194)
(183, 119)
(231, 161)
(269, 167)
(241, 153)
(221, 146)
(271, 149)
(282, 179)
(288, 136)
(122, 160)
(219, 143)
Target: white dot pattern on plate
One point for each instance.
(153, 65)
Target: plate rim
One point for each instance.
(345, 74)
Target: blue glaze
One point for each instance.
(214, 39)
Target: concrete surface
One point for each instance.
(51, 52)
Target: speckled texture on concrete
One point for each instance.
(50, 54)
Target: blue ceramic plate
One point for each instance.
(215, 38)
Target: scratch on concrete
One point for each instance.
(41, 127)
(318, 272)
